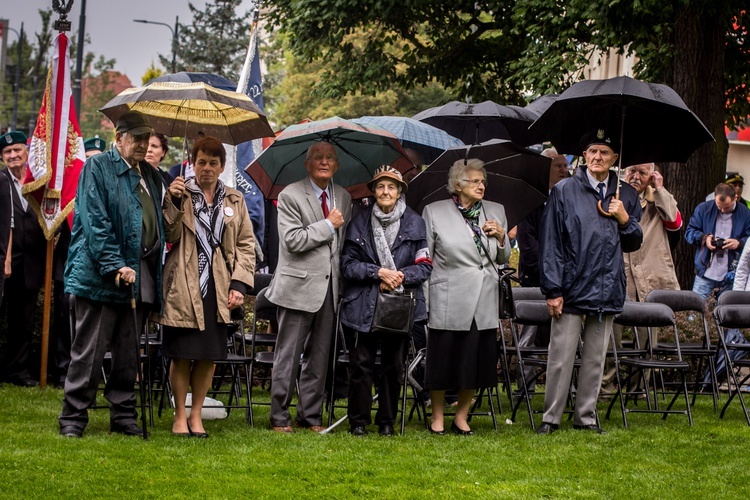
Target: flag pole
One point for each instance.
(230, 172)
(46, 314)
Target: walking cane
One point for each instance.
(141, 381)
(341, 420)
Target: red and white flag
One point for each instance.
(56, 153)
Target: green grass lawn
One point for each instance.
(652, 459)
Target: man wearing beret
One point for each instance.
(6, 223)
(94, 146)
(27, 249)
(115, 254)
(582, 275)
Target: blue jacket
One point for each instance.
(360, 265)
(703, 222)
(581, 250)
(107, 228)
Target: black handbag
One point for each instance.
(394, 313)
(506, 307)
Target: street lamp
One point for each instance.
(174, 31)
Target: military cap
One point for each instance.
(94, 144)
(14, 137)
(600, 136)
(735, 179)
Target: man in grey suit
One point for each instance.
(311, 217)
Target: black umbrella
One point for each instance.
(475, 123)
(517, 178)
(540, 104)
(652, 121)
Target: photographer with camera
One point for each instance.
(719, 228)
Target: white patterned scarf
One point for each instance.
(209, 226)
(384, 230)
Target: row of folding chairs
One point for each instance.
(676, 367)
(673, 365)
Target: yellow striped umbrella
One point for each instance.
(178, 109)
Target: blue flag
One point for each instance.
(245, 155)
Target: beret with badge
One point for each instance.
(600, 136)
(94, 144)
(14, 137)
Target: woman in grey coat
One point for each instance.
(465, 236)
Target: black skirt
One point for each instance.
(461, 360)
(192, 343)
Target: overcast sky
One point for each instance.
(111, 29)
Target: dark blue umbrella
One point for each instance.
(216, 81)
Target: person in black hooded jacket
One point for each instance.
(583, 275)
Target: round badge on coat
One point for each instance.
(228, 211)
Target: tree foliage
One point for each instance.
(511, 50)
(99, 76)
(215, 41)
(151, 73)
(33, 73)
(292, 94)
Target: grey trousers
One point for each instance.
(562, 350)
(308, 335)
(100, 327)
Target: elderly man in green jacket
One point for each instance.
(117, 243)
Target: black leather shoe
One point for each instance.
(71, 431)
(546, 428)
(592, 427)
(457, 430)
(126, 429)
(386, 430)
(23, 382)
(358, 430)
(437, 433)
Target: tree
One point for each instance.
(33, 74)
(97, 91)
(151, 73)
(508, 49)
(215, 42)
(295, 96)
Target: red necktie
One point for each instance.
(324, 204)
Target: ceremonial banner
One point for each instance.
(56, 153)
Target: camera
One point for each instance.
(719, 244)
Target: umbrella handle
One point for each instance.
(601, 210)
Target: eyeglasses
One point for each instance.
(475, 182)
(329, 157)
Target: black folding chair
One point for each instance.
(703, 352)
(649, 315)
(733, 311)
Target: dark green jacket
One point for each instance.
(107, 228)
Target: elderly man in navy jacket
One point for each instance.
(582, 276)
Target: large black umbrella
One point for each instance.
(475, 123)
(540, 104)
(652, 121)
(516, 177)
